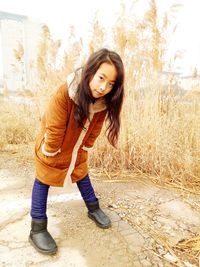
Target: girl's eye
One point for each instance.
(111, 85)
(100, 77)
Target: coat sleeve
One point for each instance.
(56, 117)
(95, 132)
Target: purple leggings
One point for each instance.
(40, 195)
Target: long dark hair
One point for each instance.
(113, 99)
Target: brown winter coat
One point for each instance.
(62, 147)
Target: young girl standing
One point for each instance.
(71, 124)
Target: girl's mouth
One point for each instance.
(98, 93)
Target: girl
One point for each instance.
(71, 124)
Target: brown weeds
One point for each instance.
(160, 127)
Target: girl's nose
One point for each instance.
(103, 87)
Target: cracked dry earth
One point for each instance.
(148, 221)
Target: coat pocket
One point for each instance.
(87, 148)
(82, 157)
(60, 160)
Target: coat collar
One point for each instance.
(72, 82)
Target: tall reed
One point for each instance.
(160, 127)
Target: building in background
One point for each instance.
(18, 49)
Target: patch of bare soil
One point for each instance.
(151, 225)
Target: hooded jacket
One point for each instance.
(62, 146)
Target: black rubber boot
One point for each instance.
(40, 238)
(97, 215)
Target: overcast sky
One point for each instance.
(60, 13)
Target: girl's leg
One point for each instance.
(39, 200)
(39, 236)
(94, 211)
(86, 189)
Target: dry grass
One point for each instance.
(158, 137)
(190, 249)
(160, 130)
(16, 126)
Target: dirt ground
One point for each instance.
(148, 221)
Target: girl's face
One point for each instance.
(103, 81)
